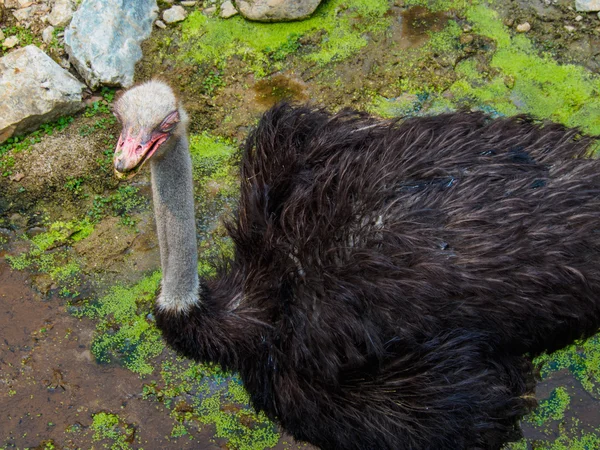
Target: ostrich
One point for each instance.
(391, 281)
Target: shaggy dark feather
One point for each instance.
(392, 280)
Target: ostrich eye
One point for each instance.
(169, 123)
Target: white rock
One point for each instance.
(34, 90)
(61, 14)
(209, 11)
(188, 3)
(587, 5)
(569, 28)
(228, 10)
(48, 34)
(523, 27)
(103, 39)
(579, 18)
(24, 3)
(174, 14)
(160, 24)
(10, 42)
(276, 10)
(11, 4)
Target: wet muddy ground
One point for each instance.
(81, 363)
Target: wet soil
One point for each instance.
(52, 382)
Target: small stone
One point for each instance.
(466, 39)
(24, 14)
(188, 3)
(48, 34)
(523, 27)
(24, 3)
(467, 28)
(61, 14)
(160, 24)
(210, 10)
(174, 14)
(10, 42)
(578, 18)
(17, 177)
(569, 28)
(509, 22)
(228, 10)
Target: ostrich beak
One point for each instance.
(133, 151)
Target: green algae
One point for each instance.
(110, 427)
(204, 395)
(49, 254)
(552, 408)
(264, 45)
(516, 79)
(582, 359)
(124, 330)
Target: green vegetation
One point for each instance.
(124, 330)
(516, 79)
(122, 203)
(201, 394)
(552, 408)
(50, 255)
(339, 27)
(107, 426)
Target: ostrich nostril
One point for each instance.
(120, 164)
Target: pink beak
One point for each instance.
(133, 151)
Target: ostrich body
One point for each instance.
(391, 280)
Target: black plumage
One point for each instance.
(392, 280)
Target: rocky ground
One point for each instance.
(81, 363)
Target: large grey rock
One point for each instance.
(34, 90)
(587, 5)
(276, 10)
(61, 14)
(104, 37)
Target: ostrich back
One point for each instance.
(397, 273)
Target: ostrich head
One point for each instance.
(152, 119)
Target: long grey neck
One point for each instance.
(172, 191)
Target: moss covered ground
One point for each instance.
(390, 58)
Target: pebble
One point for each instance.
(10, 42)
(174, 14)
(160, 24)
(467, 28)
(228, 10)
(48, 34)
(523, 27)
(569, 28)
(210, 10)
(579, 18)
(466, 39)
(188, 3)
